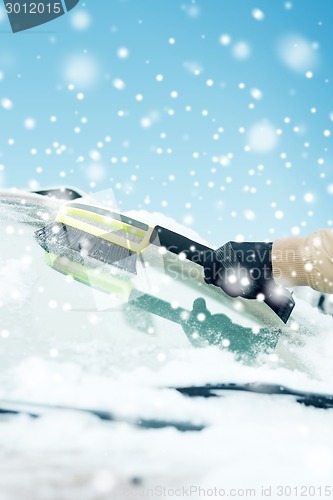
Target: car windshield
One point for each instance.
(82, 346)
(56, 311)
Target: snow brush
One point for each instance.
(116, 239)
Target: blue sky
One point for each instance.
(217, 113)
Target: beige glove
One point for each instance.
(305, 261)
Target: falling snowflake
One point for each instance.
(262, 137)
(7, 103)
(298, 54)
(80, 20)
(258, 14)
(241, 51)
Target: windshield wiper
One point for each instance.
(314, 399)
(35, 410)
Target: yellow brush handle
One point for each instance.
(67, 215)
(92, 277)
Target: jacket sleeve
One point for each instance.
(305, 261)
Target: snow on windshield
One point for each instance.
(59, 344)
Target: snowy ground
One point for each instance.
(58, 345)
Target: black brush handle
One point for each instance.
(177, 244)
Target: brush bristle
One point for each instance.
(61, 239)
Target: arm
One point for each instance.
(305, 261)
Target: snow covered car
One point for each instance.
(145, 358)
